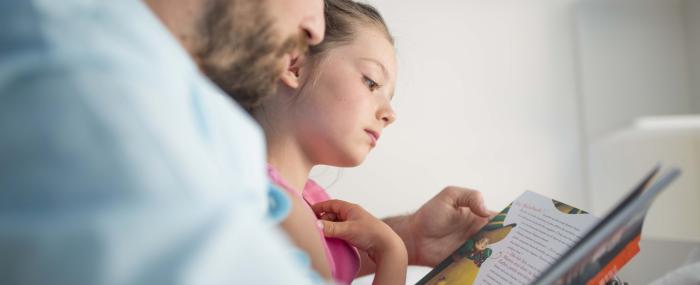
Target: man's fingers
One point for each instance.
(471, 199)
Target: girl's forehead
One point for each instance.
(370, 43)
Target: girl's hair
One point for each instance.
(343, 17)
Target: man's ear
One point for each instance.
(291, 77)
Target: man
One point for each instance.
(120, 163)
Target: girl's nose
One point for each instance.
(387, 115)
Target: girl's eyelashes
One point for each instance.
(371, 84)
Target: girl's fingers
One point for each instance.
(340, 209)
(329, 217)
(335, 229)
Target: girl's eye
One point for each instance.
(370, 83)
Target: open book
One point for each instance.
(538, 240)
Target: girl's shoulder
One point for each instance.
(314, 193)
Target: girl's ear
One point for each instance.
(291, 77)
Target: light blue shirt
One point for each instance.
(120, 163)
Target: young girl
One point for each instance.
(330, 108)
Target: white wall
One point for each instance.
(634, 62)
(486, 98)
(641, 58)
(691, 10)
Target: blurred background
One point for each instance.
(574, 99)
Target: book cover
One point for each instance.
(540, 240)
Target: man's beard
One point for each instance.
(239, 50)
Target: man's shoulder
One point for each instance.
(101, 58)
(104, 81)
(95, 82)
(117, 38)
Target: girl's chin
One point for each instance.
(349, 164)
(351, 161)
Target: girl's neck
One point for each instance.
(284, 151)
(285, 155)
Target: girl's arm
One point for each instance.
(300, 225)
(377, 241)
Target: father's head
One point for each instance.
(244, 45)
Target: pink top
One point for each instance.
(343, 258)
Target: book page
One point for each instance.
(517, 245)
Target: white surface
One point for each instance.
(658, 257)
(618, 162)
(686, 275)
(414, 274)
(669, 123)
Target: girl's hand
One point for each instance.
(352, 223)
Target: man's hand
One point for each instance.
(441, 225)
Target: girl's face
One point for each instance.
(346, 102)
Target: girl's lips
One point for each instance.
(373, 136)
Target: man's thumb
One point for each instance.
(474, 201)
